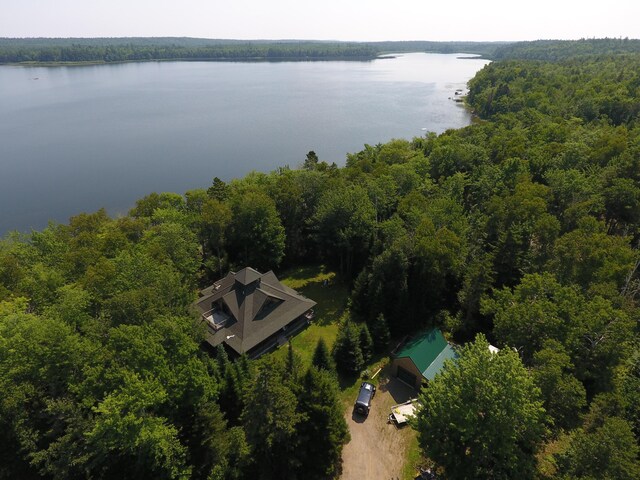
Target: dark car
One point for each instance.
(363, 403)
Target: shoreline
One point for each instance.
(227, 59)
(380, 56)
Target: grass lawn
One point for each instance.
(330, 293)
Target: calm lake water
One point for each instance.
(75, 139)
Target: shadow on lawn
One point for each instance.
(306, 272)
(324, 287)
(330, 300)
(348, 381)
(299, 277)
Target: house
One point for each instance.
(251, 312)
(420, 359)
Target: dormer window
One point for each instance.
(269, 305)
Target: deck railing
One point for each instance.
(209, 317)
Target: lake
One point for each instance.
(79, 138)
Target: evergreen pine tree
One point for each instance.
(221, 357)
(366, 343)
(291, 367)
(346, 351)
(321, 357)
(270, 420)
(231, 394)
(243, 366)
(218, 190)
(311, 161)
(380, 333)
(323, 429)
(360, 305)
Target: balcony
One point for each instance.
(215, 318)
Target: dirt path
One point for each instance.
(377, 449)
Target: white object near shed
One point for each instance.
(400, 413)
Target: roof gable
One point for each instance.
(426, 350)
(247, 276)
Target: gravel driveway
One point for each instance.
(377, 449)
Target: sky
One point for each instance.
(346, 20)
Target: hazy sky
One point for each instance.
(323, 19)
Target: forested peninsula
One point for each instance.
(109, 50)
(521, 230)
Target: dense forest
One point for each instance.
(128, 50)
(72, 50)
(521, 229)
(554, 50)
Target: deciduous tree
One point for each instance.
(608, 451)
(482, 416)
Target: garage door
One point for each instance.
(406, 376)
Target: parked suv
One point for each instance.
(363, 403)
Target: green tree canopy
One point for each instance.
(564, 396)
(347, 351)
(256, 235)
(322, 358)
(345, 218)
(482, 416)
(270, 420)
(323, 428)
(609, 451)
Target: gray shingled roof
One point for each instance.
(247, 276)
(259, 306)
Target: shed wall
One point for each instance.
(409, 366)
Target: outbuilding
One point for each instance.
(420, 359)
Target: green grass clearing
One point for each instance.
(330, 294)
(350, 384)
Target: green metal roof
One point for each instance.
(447, 354)
(428, 352)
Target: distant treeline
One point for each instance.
(61, 50)
(140, 49)
(485, 49)
(126, 49)
(556, 50)
(559, 88)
